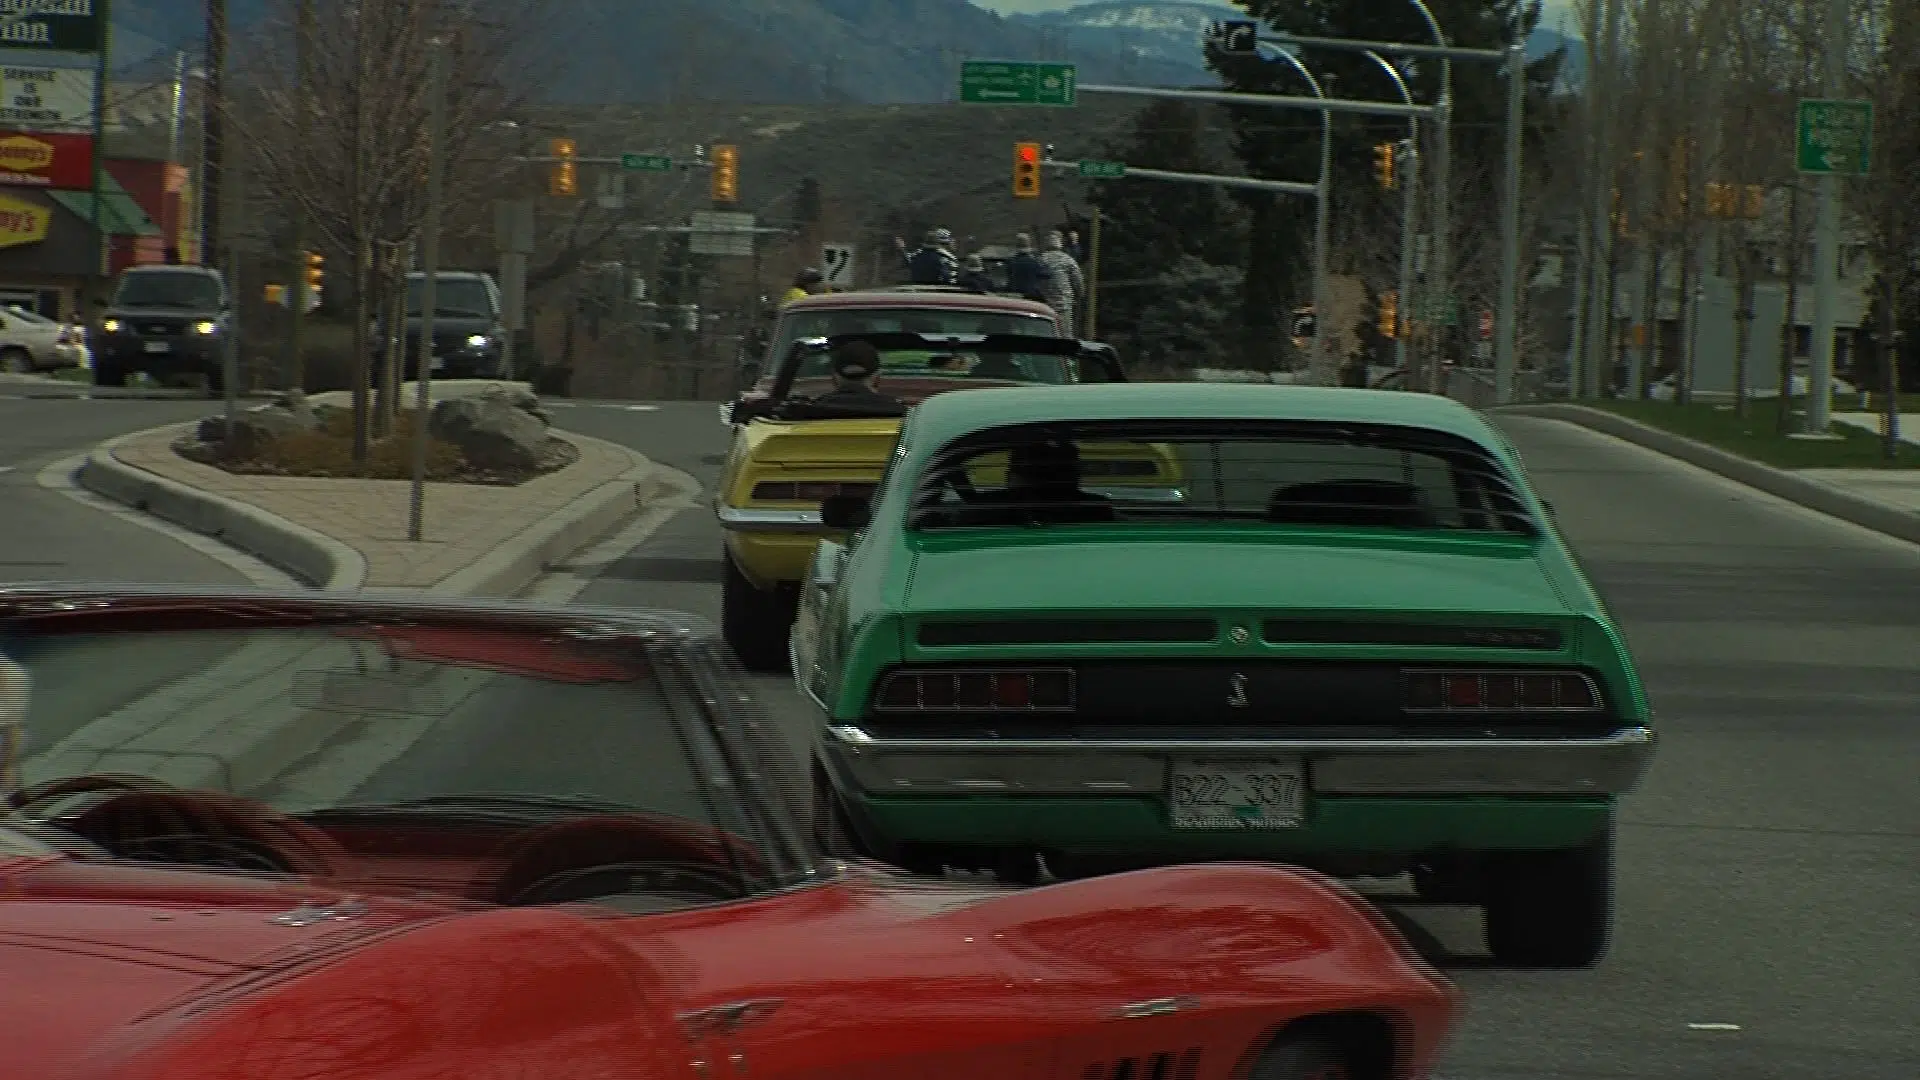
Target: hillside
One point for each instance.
(747, 51)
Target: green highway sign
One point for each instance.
(995, 82)
(646, 162)
(1834, 137)
(1444, 310)
(1103, 170)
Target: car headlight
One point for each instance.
(478, 341)
(205, 327)
(111, 326)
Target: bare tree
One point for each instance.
(341, 138)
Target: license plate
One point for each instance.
(158, 346)
(1238, 793)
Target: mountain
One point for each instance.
(744, 51)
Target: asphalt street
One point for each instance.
(1770, 866)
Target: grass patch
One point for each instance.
(71, 374)
(1754, 435)
(328, 453)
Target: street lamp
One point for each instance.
(1407, 200)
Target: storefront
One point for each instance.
(50, 251)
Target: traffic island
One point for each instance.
(1756, 434)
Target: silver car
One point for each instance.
(31, 342)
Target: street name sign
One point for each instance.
(647, 162)
(1103, 170)
(998, 82)
(1834, 137)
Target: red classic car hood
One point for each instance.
(90, 949)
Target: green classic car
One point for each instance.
(1358, 644)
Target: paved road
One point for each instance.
(1770, 867)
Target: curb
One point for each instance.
(313, 557)
(1811, 494)
(521, 560)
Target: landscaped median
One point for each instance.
(489, 528)
(1848, 477)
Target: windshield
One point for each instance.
(151, 288)
(512, 766)
(1155, 472)
(459, 297)
(799, 325)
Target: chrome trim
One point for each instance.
(1139, 494)
(1165, 1006)
(738, 520)
(1610, 765)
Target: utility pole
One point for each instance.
(297, 274)
(1507, 339)
(430, 268)
(213, 132)
(1597, 370)
(1826, 243)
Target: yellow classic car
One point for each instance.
(789, 455)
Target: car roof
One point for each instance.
(948, 416)
(912, 298)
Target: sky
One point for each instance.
(1557, 10)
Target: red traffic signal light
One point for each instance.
(1026, 170)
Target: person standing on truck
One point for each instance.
(808, 282)
(1027, 275)
(932, 263)
(1065, 285)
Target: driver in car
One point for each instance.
(856, 368)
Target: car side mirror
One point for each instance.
(848, 513)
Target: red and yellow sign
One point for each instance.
(47, 160)
(22, 223)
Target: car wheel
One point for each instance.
(108, 373)
(1302, 1058)
(1551, 909)
(16, 361)
(832, 830)
(755, 622)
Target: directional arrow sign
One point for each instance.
(1235, 37)
(994, 82)
(1834, 137)
(647, 162)
(1103, 170)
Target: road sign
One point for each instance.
(721, 232)
(1103, 170)
(996, 82)
(836, 263)
(647, 162)
(1444, 310)
(1235, 37)
(1835, 137)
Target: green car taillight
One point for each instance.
(1469, 690)
(980, 690)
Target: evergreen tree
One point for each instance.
(1166, 247)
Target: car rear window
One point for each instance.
(799, 325)
(1290, 475)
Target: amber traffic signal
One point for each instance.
(1390, 314)
(1026, 170)
(563, 179)
(726, 173)
(1383, 165)
(315, 273)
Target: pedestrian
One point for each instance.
(1065, 285)
(933, 262)
(974, 276)
(1027, 273)
(808, 282)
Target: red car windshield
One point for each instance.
(495, 764)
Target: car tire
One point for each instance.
(1302, 1057)
(108, 373)
(832, 827)
(756, 623)
(16, 361)
(1551, 909)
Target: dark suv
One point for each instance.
(165, 322)
(467, 331)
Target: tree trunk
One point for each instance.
(1743, 324)
(1790, 326)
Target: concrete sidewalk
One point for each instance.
(1884, 500)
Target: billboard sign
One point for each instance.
(46, 160)
(46, 98)
(67, 25)
(22, 222)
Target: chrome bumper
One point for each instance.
(1386, 767)
(735, 519)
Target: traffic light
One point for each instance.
(1026, 170)
(315, 273)
(726, 173)
(1390, 314)
(563, 180)
(1383, 165)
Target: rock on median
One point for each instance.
(493, 432)
(253, 429)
